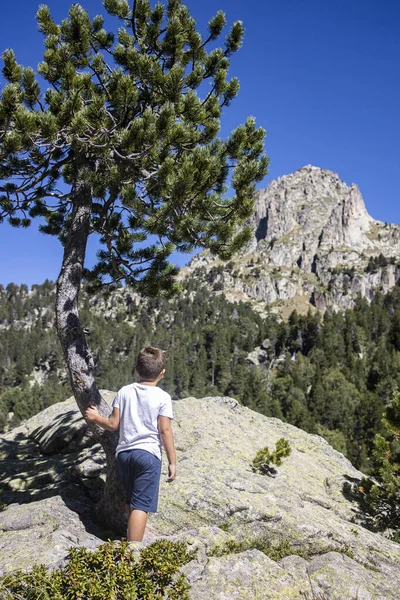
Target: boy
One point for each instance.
(143, 413)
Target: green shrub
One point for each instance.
(382, 495)
(112, 572)
(263, 459)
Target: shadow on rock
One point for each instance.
(376, 512)
(54, 457)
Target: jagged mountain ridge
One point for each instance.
(312, 243)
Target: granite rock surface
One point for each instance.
(294, 533)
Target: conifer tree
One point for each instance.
(384, 496)
(124, 145)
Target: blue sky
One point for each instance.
(322, 76)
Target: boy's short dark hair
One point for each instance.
(150, 363)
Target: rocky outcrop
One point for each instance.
(51, 473)
(316, 210)
(295, 533)
(312, 241)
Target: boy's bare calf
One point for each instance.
(137, 520)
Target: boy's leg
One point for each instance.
(136, 524)
(143, 492)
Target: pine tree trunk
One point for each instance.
(111, 508)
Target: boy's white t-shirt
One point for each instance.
(139, 408)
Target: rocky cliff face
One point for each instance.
(295, 533)
(312, 244)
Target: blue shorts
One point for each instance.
(140, 472)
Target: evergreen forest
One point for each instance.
(330, 374)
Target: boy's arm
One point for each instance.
(167, 438)
(110, 423)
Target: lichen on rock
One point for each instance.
(217, 504)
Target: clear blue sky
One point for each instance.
(322, 76)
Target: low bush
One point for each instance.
(112, 572)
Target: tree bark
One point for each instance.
(111, 508)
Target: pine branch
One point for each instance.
(133, 20)
(93, 47)
(29, 183)
(209, 94)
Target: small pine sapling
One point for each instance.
(263, 459)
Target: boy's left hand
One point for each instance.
(171, 473)
(91, 413)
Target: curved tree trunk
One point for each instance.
(111, 508)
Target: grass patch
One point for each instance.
(276, 550)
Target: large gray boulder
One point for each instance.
(292, 534)
(43, 531)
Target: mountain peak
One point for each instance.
(310, 232)
(312, 172)
(311, 205)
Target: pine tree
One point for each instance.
(124, 145)
(198, 380)
(384, 496)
